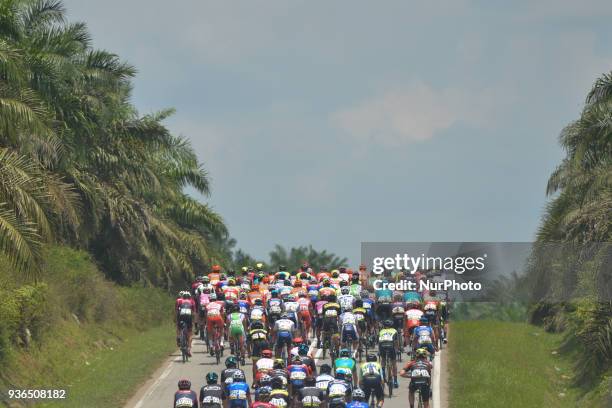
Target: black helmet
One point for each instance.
(211, 378)
(277, 383)
(358, 394)
(371, 357)
(184, 384)
(326, 369)
(388, 323)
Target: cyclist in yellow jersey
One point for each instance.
(388, 343)
(371, 380)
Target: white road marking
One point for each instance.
(436, 379)
(151, 389)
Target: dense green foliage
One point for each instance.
(296, 256)
(79, 165)
(570, 271)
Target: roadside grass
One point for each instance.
(507, 364)
(95, 339)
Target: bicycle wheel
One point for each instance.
(419, 399)
(389, 377)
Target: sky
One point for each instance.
(334, 123)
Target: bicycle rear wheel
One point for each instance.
(389, 376)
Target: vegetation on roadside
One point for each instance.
(82, 332)
(507, 364)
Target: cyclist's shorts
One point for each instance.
(284, 338)
(423, 387)
(386, 350)
(432, 317)
(349, 333)
(214, 322)
(330, 325)
(305, 315)
(236, 331)
(187, 319)
(258, 347)
(318, 322)
(373, 384)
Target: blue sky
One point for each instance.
(333, 123)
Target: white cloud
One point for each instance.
(414, 113)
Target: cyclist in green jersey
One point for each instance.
(345, 363)
(236, 329)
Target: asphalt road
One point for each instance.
(159, 390)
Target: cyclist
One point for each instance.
(388, 343)
(298, 371)
(358, 399)
(412, 319)
(349, 332)
(211, 395)
(323, 379)
(262, 398)
(383, 302)
(282, 333)
(264, 365)
(306, 312)
(372, 379)
(238, 392)
(331, 310)
(310, 396)
(397, 312)
(185, 310)
(323, 273)
(346, 300)
(346, 364)
(236, 329)
(185, 397)
(275, 306)
(231, 368)
(215, 316)
(319, 319)
(339, 389)
(419, 372)
(368, 305)
(291, 308)
(425, 336)
(279, 396)
(258, 342)
(306, 359)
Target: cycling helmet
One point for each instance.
(263, 393)
(266, 353)
(421, 352)
(297, 283)
(371, 357)
(259, 266)
(340, 375)
(332, 297)
(216, 268)
(345, 290)
(302, 294)
(358, 394)
(257, 324)
(277, 383)
(186, 294)
(345, 353)
(298, 340)
(388, 323)
(258, 301)
(231, 282)
(231, 272)
(279, 363)
(424, 319)
(343, 283)
(243, 295)
(297, 358)
(303, 349)
(397, 297)
(205, 279)
(358, 303)
(231, 362)
(211, 378)
(184, 384)
(432, 293)
(274, 293)
(290, 297)
(239, 376)
(364, 294)
(342, 269)
(285, 316)
(265, 380)
(335, 273)
(199, 278)
(325, 369)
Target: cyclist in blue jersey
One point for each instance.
(358, 400)
(238, 392)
